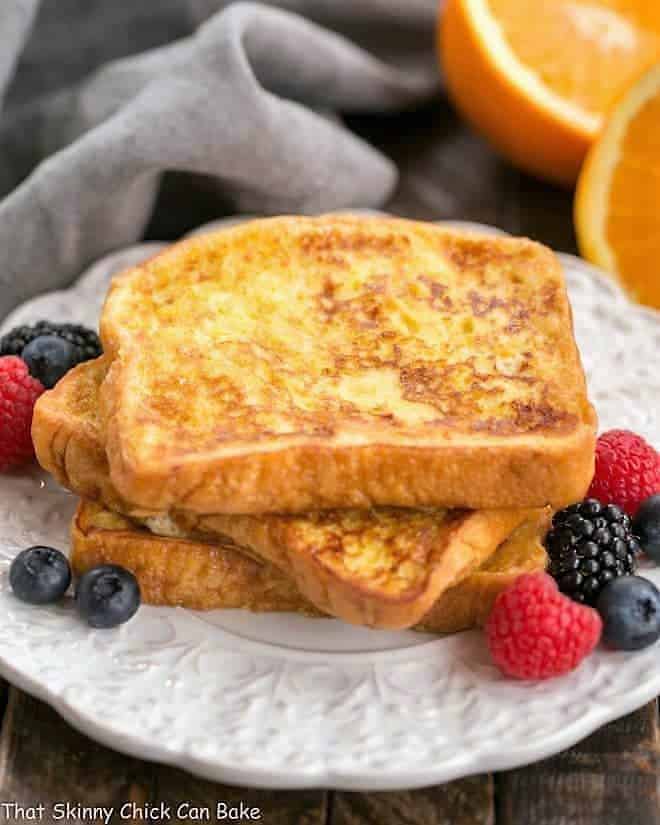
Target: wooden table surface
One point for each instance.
(610, 779)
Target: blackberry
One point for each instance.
(589, 545)
(15, 341)
(85, 341)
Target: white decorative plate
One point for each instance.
(288, 702)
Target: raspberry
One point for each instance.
(534, 632)
(18, 394)
(627, 470)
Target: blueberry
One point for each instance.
(646, 526)
(630, 609)
(40, 575)
(49, 358)
(107, 595)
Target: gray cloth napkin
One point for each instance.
(252, 99)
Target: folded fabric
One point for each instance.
(16, 18)
(250, 100)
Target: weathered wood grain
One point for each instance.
(4, 694)
(175, 788)
(464, 802)
(609, 779)
(43, 760)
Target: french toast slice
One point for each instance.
(201, 576)
(382, 567)
(180, 572)
(294, 364)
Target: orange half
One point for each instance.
(537, 77)
(617, 205)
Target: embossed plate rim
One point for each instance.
(170, 688)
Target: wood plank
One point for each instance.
(464, 802)
(611, 777)
(4, 695)
(176, 788)
(43, 760)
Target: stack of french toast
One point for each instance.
(358, 417)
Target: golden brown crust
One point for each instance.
(345, 362)
(382, 568)
(68, 444)
(298, 479)
(200, 576)
(470, 601)
(177, 572)
(67, 436)
(362, 589)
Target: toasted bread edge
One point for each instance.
(198, 576)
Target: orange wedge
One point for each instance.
(617, 204)
(537, 77)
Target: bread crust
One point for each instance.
(180, 572)
(540, 452)
(202, 576)
(509, 476)
(526, 473)
(440, 548)
(461, 542)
